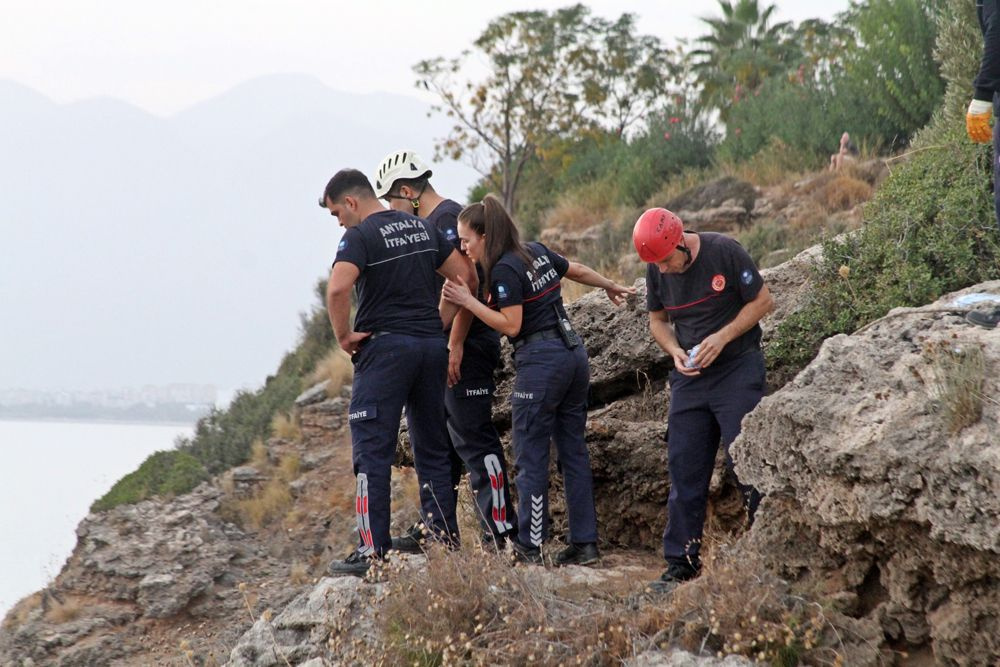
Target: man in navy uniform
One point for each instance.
(977, 119)
(399, 353)
(705, 299)
(403, 181)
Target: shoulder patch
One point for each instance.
(450, 233)
(746, 276)
(342, 245)
(718, 282)
(502, 292)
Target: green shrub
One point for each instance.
(930, 229)
(223, 438)
(166, 473)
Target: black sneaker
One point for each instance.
(526, 555)
(578, 554)
(354, 565)
(411, 541)
(678, 571)
(984, 318)
(495, 543)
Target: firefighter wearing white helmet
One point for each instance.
(402, 181)
(705, 298)
(402, 165)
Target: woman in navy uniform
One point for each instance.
(402, 181)
(549, 401)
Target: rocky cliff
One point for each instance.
(878, 541)
(881, 463)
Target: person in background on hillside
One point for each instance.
(705, 299)
(403, 181)
(848, 153)
(549, 399)
(977, 120)
(399, 353)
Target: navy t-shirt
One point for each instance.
(397, 254)
(709, 294)
(445, 218)
(536, 288)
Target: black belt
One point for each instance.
(544, 334)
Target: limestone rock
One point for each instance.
(685, 659)
(313, 394)
(870, 491)
(318, 627)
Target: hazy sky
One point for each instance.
(164, 56)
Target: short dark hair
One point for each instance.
(347, 182)
(419, 184)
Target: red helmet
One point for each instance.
(656, 234)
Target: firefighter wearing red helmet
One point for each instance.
(705, 299)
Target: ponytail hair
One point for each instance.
(489, 218)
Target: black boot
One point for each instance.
(984, 318)
(355, 565)
(578, 554)
(677, 572)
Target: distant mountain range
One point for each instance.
(138, 249)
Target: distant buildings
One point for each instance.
(172, 402)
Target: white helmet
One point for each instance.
(396, 166)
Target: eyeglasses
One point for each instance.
(387, 198)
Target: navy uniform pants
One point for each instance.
(704, 410)
(996, 157)
(391, 372)
(549, 403)
(469, 406)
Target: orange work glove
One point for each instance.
(977, 121)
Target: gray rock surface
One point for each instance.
(319, 627)
(871, 493)
(685, 659)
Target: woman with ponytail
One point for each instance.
(549, 401)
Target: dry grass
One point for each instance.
(584, 207)
(843, 193)
(20, 612)
(959, 382)
(298, 574)
(64, 611)
(472, 607)
(773, 164)
(286, 427)
(687, 179)
(259, 455)
(572, 290)
(336, 368)
(290, 467)
(269, 504)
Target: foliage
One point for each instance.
(930, 229)
(224, 438)
(623, 78)
(162, 473)
(807, 117)
(871, 74)
(551, 76)
(446, 612)
(893, 66)
(741, 51)
(605, 174)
